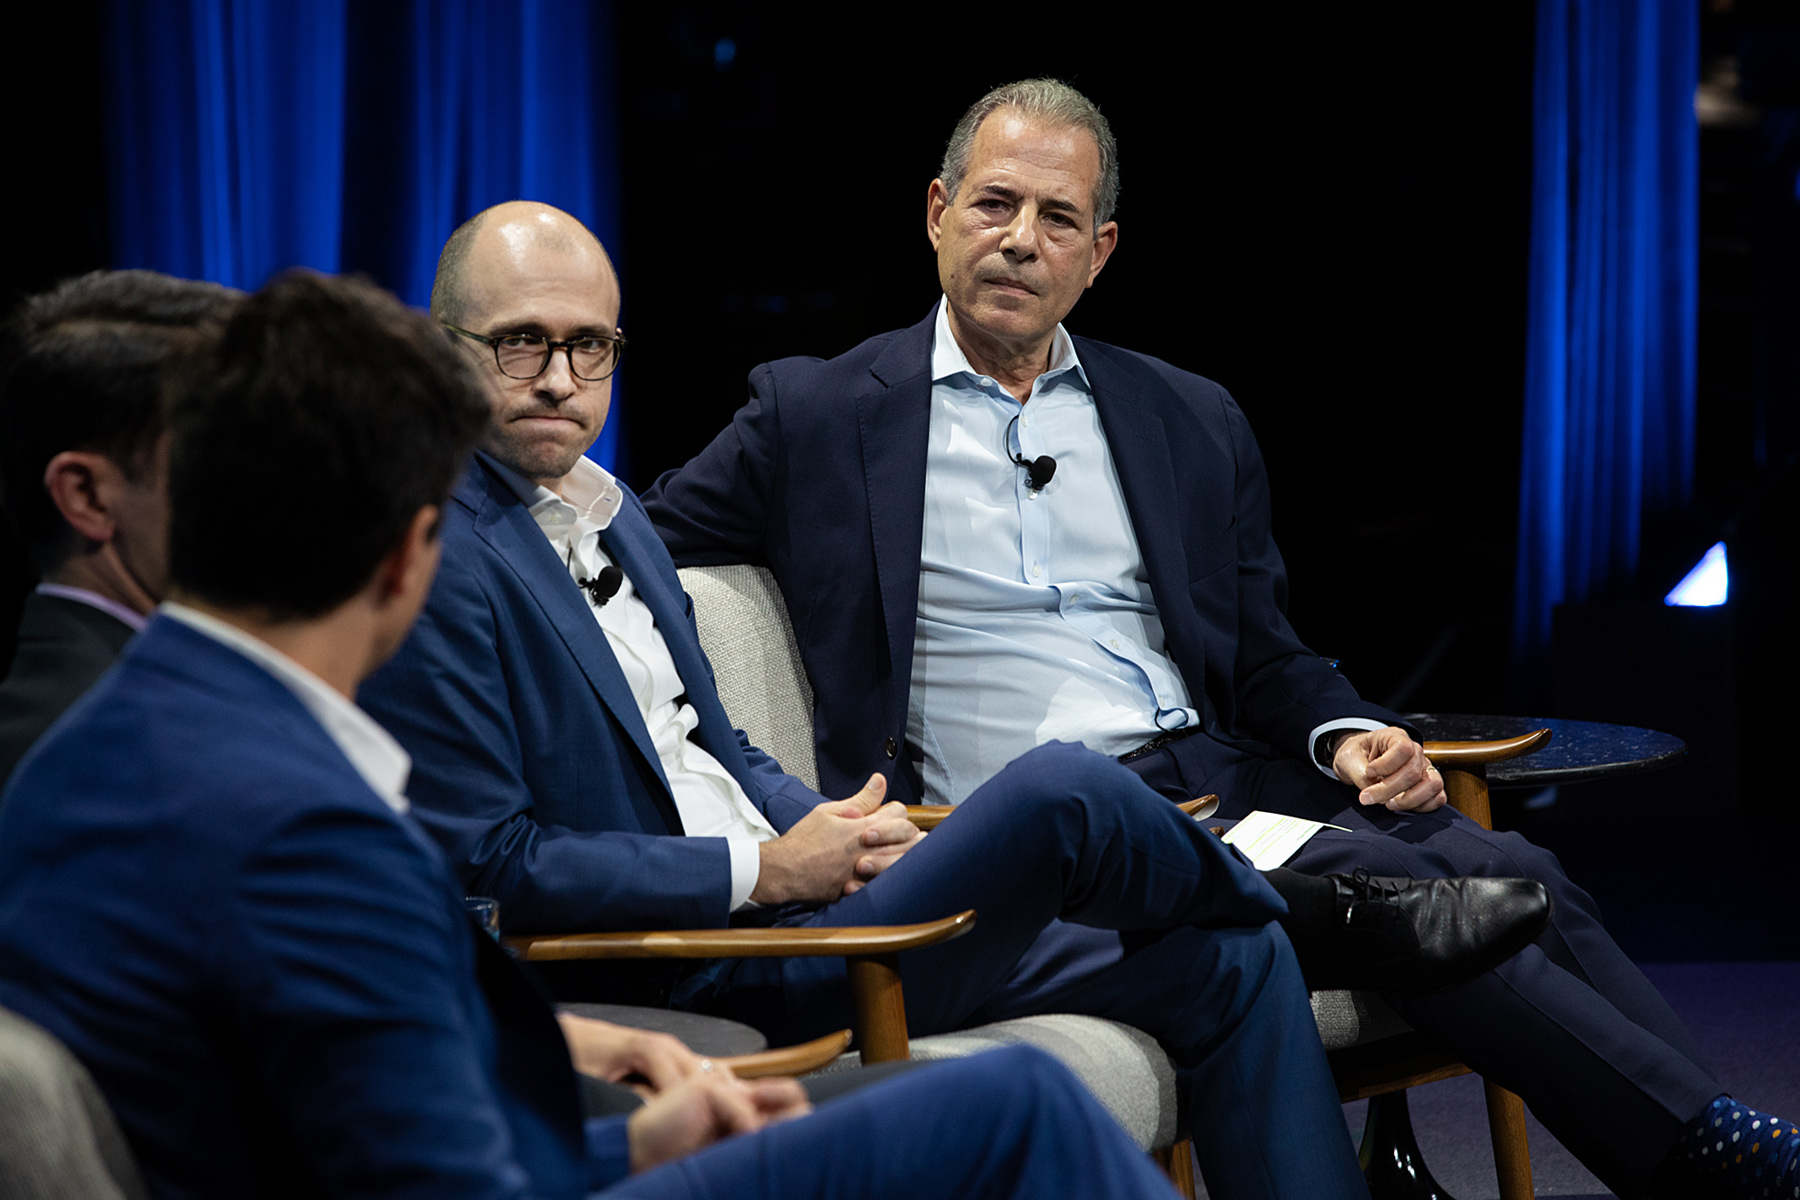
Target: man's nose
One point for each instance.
(558, 382)
(1021, 234)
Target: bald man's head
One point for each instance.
(530, 269)
(555, 229)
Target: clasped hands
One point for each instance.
(691, 1102)
(835, 849)
(1389, 769)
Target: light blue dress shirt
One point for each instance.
(1036, 620)
(1035, 614)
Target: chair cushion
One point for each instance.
(1123, 1067)
(57, 1136)
(712, 1037)
(744, 629)
(1352, 1018)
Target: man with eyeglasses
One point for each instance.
(571, 756)
(573, 759)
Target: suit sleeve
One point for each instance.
(455, 702)
(716, 509)
(1282, 689)
(349, 1001)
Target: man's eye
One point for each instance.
(519, 341)
(591, 345)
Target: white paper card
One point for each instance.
(1269, 839)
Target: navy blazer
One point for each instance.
(268, 970)
(821, 478)
(553, 804)
(64, 646)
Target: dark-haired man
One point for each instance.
(211, 891)
(958, 602)
(79, 423)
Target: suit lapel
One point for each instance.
(894, 427)
(1127, 401)
(503, 521)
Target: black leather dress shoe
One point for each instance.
(1419, 935)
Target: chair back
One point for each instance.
(745, 631)
(58, 1138)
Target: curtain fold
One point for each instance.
(1609, 392)
(247, 136)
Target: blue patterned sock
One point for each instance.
(1743, 1151)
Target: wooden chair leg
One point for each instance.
(879, 1006)
(1177, 1162)
(1512, 1158)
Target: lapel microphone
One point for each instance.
(604, 586)
(1041, 469)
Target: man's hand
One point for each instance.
(615, 1052)
(704, 1109)
(1390, 769)
(836, 848)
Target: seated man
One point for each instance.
(211, 892)
(990, 533)
(79, 423)
(572, 756)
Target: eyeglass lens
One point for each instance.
(524, 357)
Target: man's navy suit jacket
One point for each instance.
(64, 646)
(821, 478)
(544, 799)
(268, 970)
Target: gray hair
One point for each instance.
(1053, 103)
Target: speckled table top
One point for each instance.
(1578, 750)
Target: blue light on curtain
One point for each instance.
(252, 135)
(226, 137)
(1609, 401)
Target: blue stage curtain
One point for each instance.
(246, 136)
(1609, 391)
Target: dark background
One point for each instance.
(1324, 208)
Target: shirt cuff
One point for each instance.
(608, 1151)
(746, 868)
(1330, 727)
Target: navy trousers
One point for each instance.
(1094, 895)
(1008, 1123)
(1570, 1024)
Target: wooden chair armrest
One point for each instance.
(1464, 766)
(927, 816)
(848, 941)
(1468, 754)
(790, 1060)
(1192, 807)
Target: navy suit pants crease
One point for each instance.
(1015, 1124)
(1151, 921)
(1570, 1023)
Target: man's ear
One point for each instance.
(81, 484)
(1106, 240)
(937, 203)
(408, 569)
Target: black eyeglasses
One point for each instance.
(592, 356)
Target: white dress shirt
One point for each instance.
(106, 604)
(371, 749)
(1036, 620)
(708, 799)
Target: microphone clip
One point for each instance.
(602, 587)
(1040, 470)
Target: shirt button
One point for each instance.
(892, 747)
(1114, 643)
(1036, 570)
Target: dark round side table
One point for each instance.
(1578, 751)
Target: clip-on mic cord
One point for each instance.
(1042, 469)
